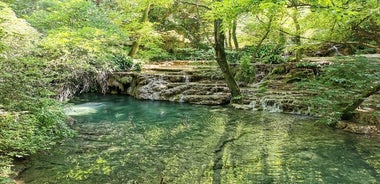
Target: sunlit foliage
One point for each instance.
(29, 119)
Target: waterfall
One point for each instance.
(187, 79)
(181, 98)
(253, 105)
(270, 105)
(153, 88)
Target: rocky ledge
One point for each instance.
(366, 118)
(178, 81)
(201, 82)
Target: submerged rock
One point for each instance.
(369, 111)
(366, 118)
(358, 128)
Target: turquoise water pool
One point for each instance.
(123, 140)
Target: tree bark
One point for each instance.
(136, 44)
(222, 61)
(234, 37)
(229, 39)
(348, 111)
(267, 31)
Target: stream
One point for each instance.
(123, 140)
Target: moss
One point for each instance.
(126, 79)
(306, 65)
(262, 89)
(281, 69)
(299, 75)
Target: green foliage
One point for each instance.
(247, 70)
(122, 61)
(352, 22)
(273, 59)
(30, 120)
(306, 65)
(233, 56)
(73, 13)
(152, 48)
(340, 84)
(6, 180)
(79, 44)
(269, 53)
(2, 33)
(266, 53)
(187, 54)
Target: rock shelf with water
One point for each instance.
(202, 83)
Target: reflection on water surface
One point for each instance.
(122, 140)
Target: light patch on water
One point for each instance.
(83, 109)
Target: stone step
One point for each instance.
(181, 77)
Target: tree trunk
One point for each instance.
(348, 111)
(297, 38)
(268, 30)
(222, 61)
(234, 37)
(229, 39)
(136, 43)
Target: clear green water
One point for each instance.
(121, 140)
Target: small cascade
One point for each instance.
(252, 105)
(181, 98)
(270, 105)
(153, 88)
(187, 79)
(177, 82)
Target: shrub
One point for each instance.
(233, 56)
(340, 84)
(122, 62)
(268, 53)
(247, 70)
(273, 59)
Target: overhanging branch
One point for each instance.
(332, 41)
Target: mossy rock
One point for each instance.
(299, 75)
(126, 80)
(357, 128)
(369, 118)
(281, 69)
(123, 79)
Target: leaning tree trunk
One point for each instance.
(222, 61)
(267, 31)
(136, 43)
(348, 111)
